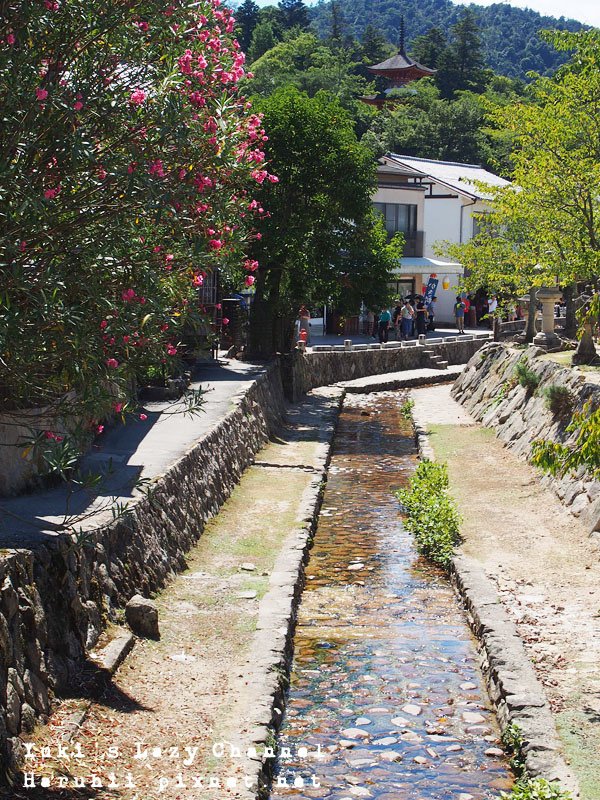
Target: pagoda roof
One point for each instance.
(399, 63)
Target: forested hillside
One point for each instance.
(511, 45)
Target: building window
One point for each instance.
(398, 217)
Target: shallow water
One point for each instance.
(385, 666)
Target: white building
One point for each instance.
(431, 202)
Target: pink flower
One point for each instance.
(171, 350)
(100, 428)
(143, 26)
(198, 280)
(137, 97)
(250, 279)
(112, 363)
(218, 306)
(128, 295)
(225, 321)
(143, 417)
(250, 265)
(53, 436)
(131, 167)
(10, 39)
(51, 5)
(77, 106)
(118, 407)
(215, 244)
(103, 324)
(50, 194)
(41, 94)
(156, 168)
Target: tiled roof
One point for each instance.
(460, 177)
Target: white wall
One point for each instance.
(442, 223)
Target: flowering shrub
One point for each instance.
(128, 161)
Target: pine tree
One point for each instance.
(428, 48)
(461, 65)
(246, 18)
(294, 14)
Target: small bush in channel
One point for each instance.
(526, 376)
(559, 400)
(431, 514)
(406, 408)
(536, 789)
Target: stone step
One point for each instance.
(440, 365)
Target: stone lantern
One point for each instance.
(546, 338)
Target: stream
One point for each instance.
(386, 697)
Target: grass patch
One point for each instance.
(559, 400)
(535, 789)
(431, 514)
(526, 377)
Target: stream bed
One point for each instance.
(386, 697)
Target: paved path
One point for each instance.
(138, 449)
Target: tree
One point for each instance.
(321, 240)
(556, 149)
(429, 48)
(460, 65)
(246, 17)
(294, 14)
(263, 39)
(125, 161)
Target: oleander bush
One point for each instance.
(128, 161)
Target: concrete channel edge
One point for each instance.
(273, 645)
(513, 688)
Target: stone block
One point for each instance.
(142, 617)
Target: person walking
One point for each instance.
(459, 314)
(406, 320)
(384, 325)
(431, 314)
(421, 318)
(304, 315)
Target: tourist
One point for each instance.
(406, 319)
(304, 325)
(421, 318)
(396, 317)
(384, 325)
(492, 306)
(459, 314)
(431, 314)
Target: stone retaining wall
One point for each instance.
(306, 371)
(489, 390)
(56, 598)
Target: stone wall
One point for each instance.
(489, 390)
(306, 371)
(56, 598)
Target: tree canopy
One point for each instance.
(321, 240)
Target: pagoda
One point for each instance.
(399, 70)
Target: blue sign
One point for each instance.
(432, 285)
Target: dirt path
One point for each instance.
(202, 683)
(544, 564)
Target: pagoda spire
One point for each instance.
(402, 50)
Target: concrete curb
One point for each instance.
(273, 645)
(419, 377)
(109, 659)
(514, 690)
